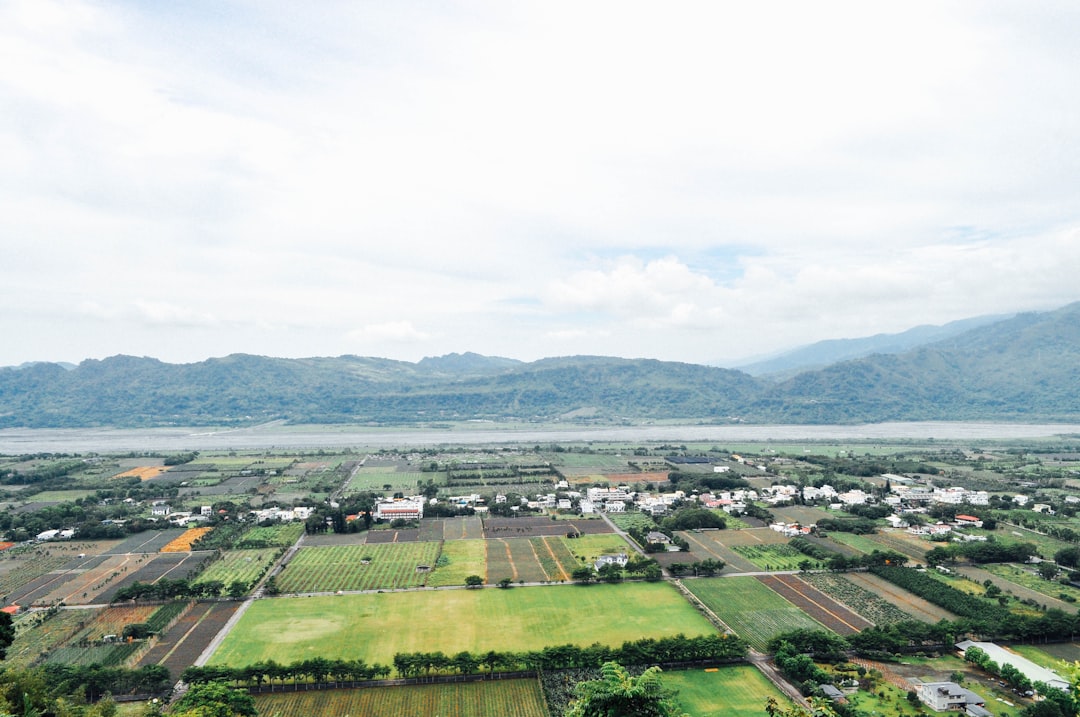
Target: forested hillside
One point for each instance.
(1023, 368)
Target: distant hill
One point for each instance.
(823, 353)
(1026, 367)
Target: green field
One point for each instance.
(752, 610)
(375, 626)
(342, 567)
(247, 566)
(459, 559)
(521, 698)
(738, 691)
(281, 535)
(587, 548)
(775, 556)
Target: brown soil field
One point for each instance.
(142, 472)
(536, 527)
(185, 641)
(631, 478)
(748, 536)
(816, 604)
(911, 604)
(704, 545)
(378, 537)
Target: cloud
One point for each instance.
(390, 331)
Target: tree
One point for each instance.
(7, 633)
(1047, 570)
(473, 581)
(215, 699)
(584, 574)
(617, 693)
(505, 583)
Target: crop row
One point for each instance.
(752, 610)
(776, 556)
(183, 543)
(476, 699)
(358, 567)
(872, 607)
(245, 566)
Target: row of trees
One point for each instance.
(679, 648)
(180, 589)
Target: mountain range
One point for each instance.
(1023, 367)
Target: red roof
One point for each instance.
(966, 517)
(10, 609)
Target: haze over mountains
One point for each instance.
(1024, 367)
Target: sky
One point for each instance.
(704, 182)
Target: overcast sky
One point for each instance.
(697, 182)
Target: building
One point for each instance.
(400, 509)
(620, 559)
(945, 696)
(1026, 667)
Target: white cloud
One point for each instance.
(687, 182)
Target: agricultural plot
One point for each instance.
(773, 556)
(384, 536)
(358, 567)
(182, 543)
(458, 560)
(801, 514)
(189, 637)
(20, 573)
(279, 535)
(110, 655)
(816, 604)
(1023, 584)
(705, 545)
(912, 604)
(431, 529)
(36, 637)
(468, 527)
(150, 541)
(376, 478)
(111, 621)
(521, 698)
(866, 603)
(752, 610)
(382, 624)
(529, 527)
(735, 691)
(587, 548)
(531, 559)
(151, 568)
(245, 566)
(633, 521)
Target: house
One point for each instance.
(160, 509)
(968, 520)
(620, 559)
(833, 694)
(944, 696)
(656, 536)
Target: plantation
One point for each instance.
(280, 535)
(245, 566)
(521, 698)
(343, 567)
(378, 625)
(868, 604)
(40, 633)
(752, 610)
(777, 556)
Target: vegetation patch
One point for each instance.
(735, 691)
(380, 625)
(752, 610)
(359, 567)
(458, 560)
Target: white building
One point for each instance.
(1025, 666)
(944, 696)
(400, 508)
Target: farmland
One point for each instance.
(382, 624)
(752, 610)
(737, 691)
(358, 567)
(863, 601)
(245, 566)
(182, 543)
(459, 559)
(521, 698)
(773, 556)
(816, 604)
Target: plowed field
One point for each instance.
(817, 604)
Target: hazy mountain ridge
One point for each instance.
(1022, 368)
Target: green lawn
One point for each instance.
(462, 558)
(752, 610)
(591, 547)
(738, 691)
(376, 626)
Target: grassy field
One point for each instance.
(246, 566)
(752, 610)
(459, 559)
(281, 534)
(521, 698)
(739, 691)
(587, 548)
(379, 625)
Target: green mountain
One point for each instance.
(1022, 368)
